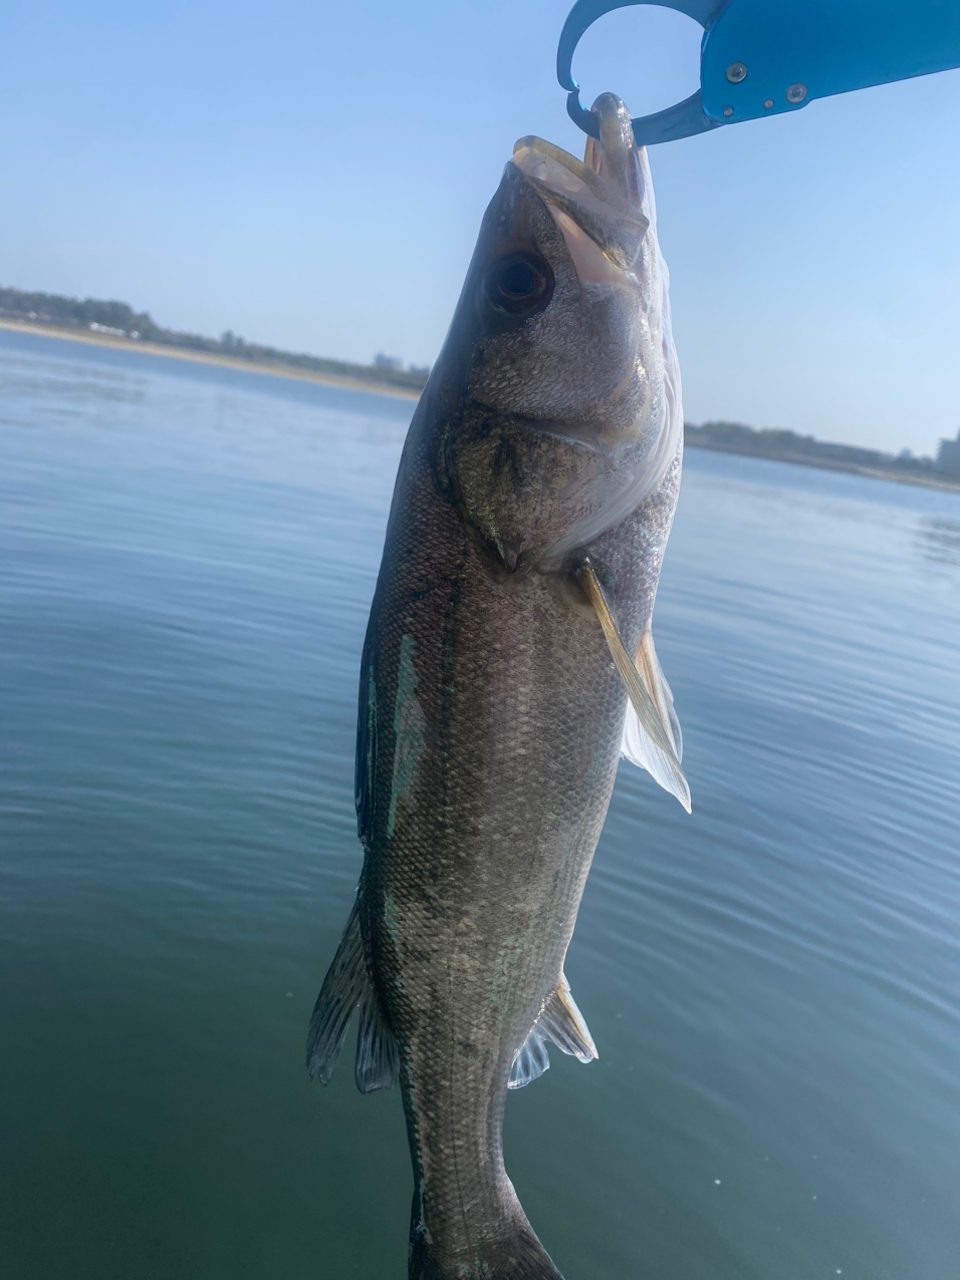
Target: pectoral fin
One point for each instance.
(561, 1023)
(347, 986)
(651, 732)
(637, 745)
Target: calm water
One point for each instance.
(187, 555)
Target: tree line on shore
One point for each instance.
(121, 319)
(728, 437)
(775, 442)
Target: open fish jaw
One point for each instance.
(605, 194)
(604, 207)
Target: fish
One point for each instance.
(508, 664)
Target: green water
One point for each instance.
(187, 555)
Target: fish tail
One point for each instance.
(516, 1254)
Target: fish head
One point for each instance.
(561, 347)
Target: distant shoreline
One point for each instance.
(822, 464)
(275, 368)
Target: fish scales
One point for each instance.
(492, 715)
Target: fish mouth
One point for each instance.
(599, 202)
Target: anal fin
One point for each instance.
(532, 1060)
(347, 986)
(651, 731)
(561, 1023)
(564, 1025)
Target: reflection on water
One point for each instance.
(940, 540)
(187, 556)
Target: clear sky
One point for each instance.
(313, 176)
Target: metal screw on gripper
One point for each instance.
(736, 72)
(768, 104)
(796, 92)
(728, 111)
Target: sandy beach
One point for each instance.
(273, 368)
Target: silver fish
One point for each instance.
(508, 663)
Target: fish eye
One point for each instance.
(518, 284)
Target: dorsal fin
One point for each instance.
(346, 986)
(378, 1060)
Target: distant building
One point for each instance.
(948, 456)
(387, 362)
(106, 328)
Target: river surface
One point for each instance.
(187, 556)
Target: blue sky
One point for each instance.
(313, 176)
